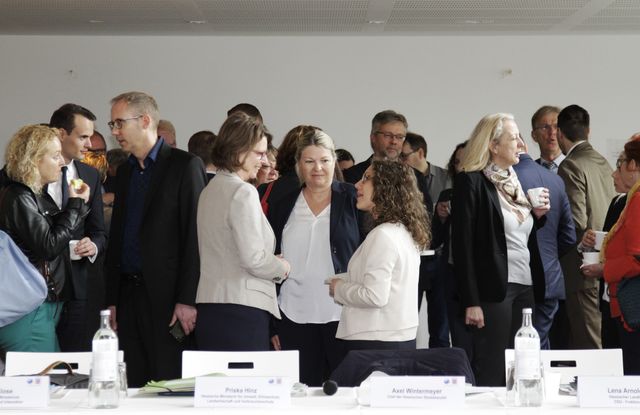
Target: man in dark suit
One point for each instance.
(587, 178)
(388, 131)
(153, 265)
(555, 238)
(75, 124)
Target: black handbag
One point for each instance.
(69, 380)
(629, 300)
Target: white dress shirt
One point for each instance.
(305, 244)
(55, 191)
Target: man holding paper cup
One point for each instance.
(555, 238)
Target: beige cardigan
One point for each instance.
(236, 245)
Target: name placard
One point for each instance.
(24, 392)
(242, 392)
(417, 391)
(609, 391)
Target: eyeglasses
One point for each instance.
(262, 155)
(390, 136)
(404, 156)
(119, 122)
(365, 178)
(547, 127)
(619, 163)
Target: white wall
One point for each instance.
(444, 85)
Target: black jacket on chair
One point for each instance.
(479, 244)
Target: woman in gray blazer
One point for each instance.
(378, 290)
(238, 270)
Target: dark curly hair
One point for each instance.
(397, 200)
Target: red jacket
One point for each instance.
(622, 247)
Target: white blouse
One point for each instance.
(306, 245)
(517, 237)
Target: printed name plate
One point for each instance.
(609, 391)
(24, 392)
(242, 392)
(417, 391)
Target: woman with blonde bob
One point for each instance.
(378, 290)
(495, 252)
(40, 230)
(316, 229)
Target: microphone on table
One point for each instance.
(329, 387)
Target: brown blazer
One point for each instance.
(589, 185)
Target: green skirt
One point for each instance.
(35, 332)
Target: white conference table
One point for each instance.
(343, 402)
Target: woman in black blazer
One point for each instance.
(495, 253)
(316, 228)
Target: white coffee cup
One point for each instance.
(72, 250)
(589, 258)
(599, 239)
(534, 196)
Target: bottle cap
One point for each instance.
(526, 311)
(105, 312)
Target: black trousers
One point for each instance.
(319, 350)
(149, 349)
(72, 330)
(502, 320)
(630, 341)
(378, 345)
(232, 327)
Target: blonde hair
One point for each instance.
(25, 150)
(477, 151)
(316, 138)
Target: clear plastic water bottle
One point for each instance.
(528, 373)
(104, 383)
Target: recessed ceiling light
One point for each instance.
(471, 21)
(377, 21)
(96, 21)
(197, 21)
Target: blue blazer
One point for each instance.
(344, 232)
(558, 235)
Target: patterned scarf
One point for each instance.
(507, 183)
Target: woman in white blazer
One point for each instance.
(238, 270)
(378, 291)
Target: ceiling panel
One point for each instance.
(317, 17)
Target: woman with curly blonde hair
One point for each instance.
(378, 290)
(40, 229)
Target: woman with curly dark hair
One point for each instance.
(378, 290)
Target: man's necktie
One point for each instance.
(551, 166)
(64, 186)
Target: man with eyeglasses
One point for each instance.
(76, 327)
(152, 262)
(544, 129)
(587, 178)
(388, 130)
